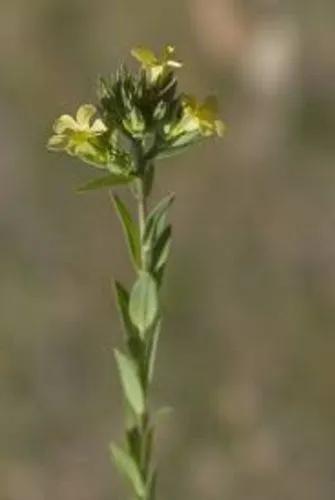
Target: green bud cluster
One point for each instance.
(142, 118)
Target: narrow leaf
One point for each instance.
(130, 230)
(153, 350)
(128, 468)
(134, 443)
(122, 299)
(103, 182)
(155, 216)
(172, 151)
(131, 333)
(143, 304)
(161, 249)
(130, 382)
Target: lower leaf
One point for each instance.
(128, 468)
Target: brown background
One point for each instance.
(247, 355)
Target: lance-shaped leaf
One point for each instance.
(130, 230)
(173, 151)
(143, 304)
(155, 217)
(122, 298)
(104, 182)
(131, 333)
(161, 249)
(134, 442)
(129, 469)
(131, 383)
(153, 349)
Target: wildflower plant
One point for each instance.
(140, 119)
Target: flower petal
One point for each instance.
(167, 57)
(174, 64)
(85, 149)
(220, 128)
(63, 123)
(98, 127)
(57, 142)
(144, 56)
(84, 115)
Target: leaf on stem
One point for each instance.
(130, 230)
(153, 350)
(155, 216)
(122, 299)
(131, 383)
(103, 182)
(128, 468)
(161, 249)
(143, 303)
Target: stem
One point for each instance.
(144, 425)
(142, 213)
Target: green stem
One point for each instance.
(142, 213)
(144, 425)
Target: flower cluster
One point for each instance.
(142, 117)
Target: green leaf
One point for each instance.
(130, 381)
(172, 151)
(103, 182)
(153, 349)
(143, 303)
(161, 249)
(132, 338)
(155, 216)
(128, 468)
(130, 230)
(122, 299)
(134, 442)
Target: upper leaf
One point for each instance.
(130, 230)
(143, 304)
(130, 382)
(161, 249)
(155, 217)
(153, 349)
(104, 182)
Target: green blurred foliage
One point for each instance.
(247, 352)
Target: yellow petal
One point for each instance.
(220, 128)
(57, 142)
(144, 56)
(174, 64)
(84, 115)
(169, 50)
(168, 53)
(63, 123)
(98, 127)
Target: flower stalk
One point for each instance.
(142, 119)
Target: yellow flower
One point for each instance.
(154, 65)
(201, 117)
(76, 136)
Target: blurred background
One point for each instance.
(247, 355)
